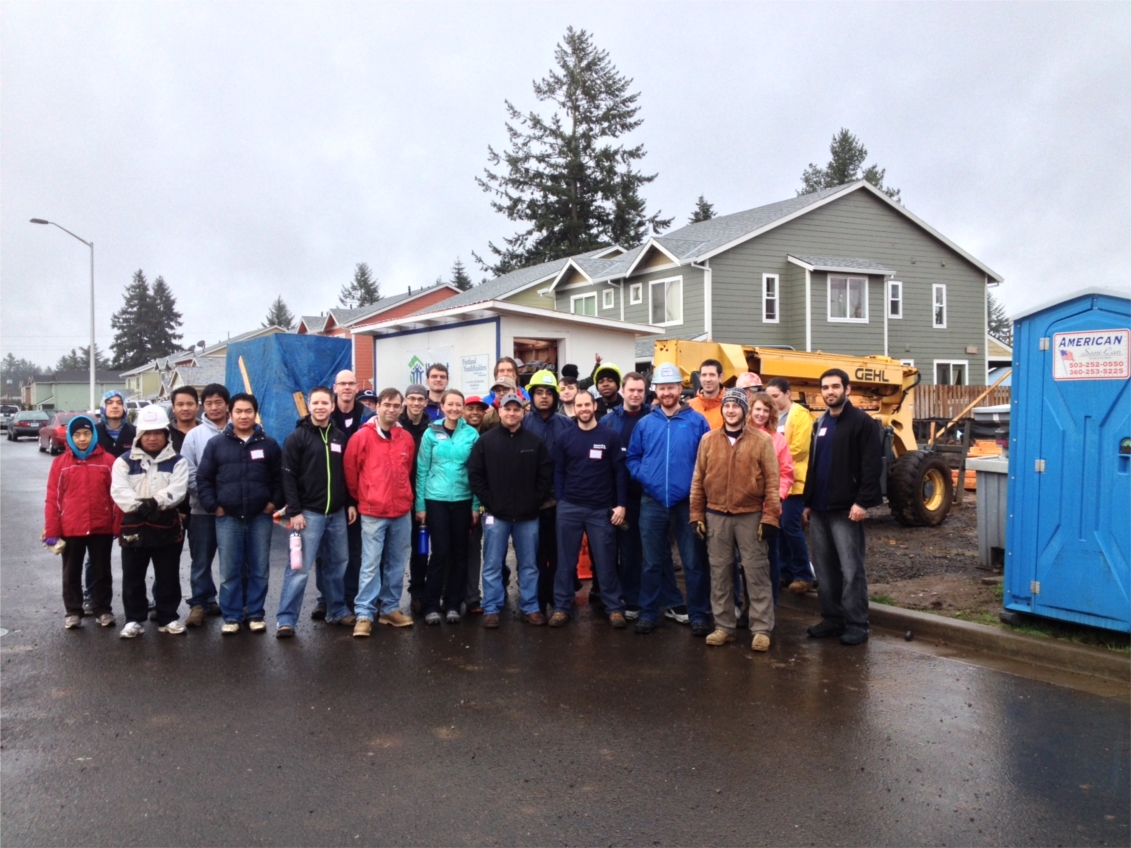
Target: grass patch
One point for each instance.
(887, 600)
(979, 617)
(998, 590)
(1078, 633)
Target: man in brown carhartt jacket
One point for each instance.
(734, 497)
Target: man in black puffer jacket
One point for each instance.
(240, 479)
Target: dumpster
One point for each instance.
(1068, 537)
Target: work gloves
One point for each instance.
(148, 509)
(767, 532)
(701, 530)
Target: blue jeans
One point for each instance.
(496, 532)
(353, 565)
(202, 550)
(387, 546)
(243, 540)
(658, 575)
(793, 550)
(628, 554)
(325, 536)
(573, 521)
(838, 556)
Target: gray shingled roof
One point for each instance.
(347, 317)
(314, 323)
(100, 376)
(840, 263)
(211, 370)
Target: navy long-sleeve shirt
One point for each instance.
(589, 468)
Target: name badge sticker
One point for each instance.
(489, 520)
(335, 447)
(257, 454)
(822, 432)
(596, 453)
(349, 422)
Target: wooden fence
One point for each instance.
(947, 401)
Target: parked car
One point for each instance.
(7, 412)
(53, 435)
(26, 424)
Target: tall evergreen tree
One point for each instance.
(79, 359)
(131, 325)
(362, 290)
(279, 315)
(704, 211)
(1000, 327)
(566, 179)
(460, 278)
(848, 155)
(165, 319)
(14, 370)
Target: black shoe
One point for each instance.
(318, 613)
(825, 629)
(416, 606)
(854, 636)
(743, 621)
(213, 610)
(644, 627)
(152, 612)
(701, 628)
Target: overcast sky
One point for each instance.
(244, 150)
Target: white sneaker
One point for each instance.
(230, 627)
(174, 627)
(677, 614)
(131, 630)
(257, 625)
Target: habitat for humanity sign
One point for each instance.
(419, 361)
(1092, 355)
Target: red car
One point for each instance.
(53, 434)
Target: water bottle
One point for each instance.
(296, 551)
(422, 546)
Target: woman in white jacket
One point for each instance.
(147, 484)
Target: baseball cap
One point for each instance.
(510, 397)
(368, 394)
(505, 382)
(475, 399)
(416, 389)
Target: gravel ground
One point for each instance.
(898, 553)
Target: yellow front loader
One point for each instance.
(917, 481)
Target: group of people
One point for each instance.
(440, 485)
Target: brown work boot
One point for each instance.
(719, 637)
(536, 618)
(491, 620)
(363, 627)
(761, 642)
(347, 620)
(800, 587)
(617, 620)
(396, 618)
(195, 617)
(559, 619)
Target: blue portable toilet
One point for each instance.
(1068, 532)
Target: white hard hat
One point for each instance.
(152, 417)
(666, 372)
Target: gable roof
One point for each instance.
(838, 263)
(100, 376)
(348, 317)
(313, 323)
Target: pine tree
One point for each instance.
(79, 360)
(279, 315)
(848, 156)
(460, 279)
(131, 325)
(704, 211)
(164, 338)
(14, 371)
(565, 179)
(1000, 327)
(363, 290)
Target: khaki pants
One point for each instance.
(724, 534)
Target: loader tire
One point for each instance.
(920, 489)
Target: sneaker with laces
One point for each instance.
(176, 627)
(87, 606)
(559, 619)
(854, 636)
(362, 628)
(632, 612)
(825, 628)
(230, 627)
(453, 617)
(396, 618)
(701, 628)
(761, 642)
(257, 625)
(644, 627)
(132, 630)
(284, 631)
(719, 637)
(195, 617)
(106, 620)
(318, 613)
(678, 614)
(433, 619)
(72, 621)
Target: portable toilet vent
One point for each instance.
(1068, 532)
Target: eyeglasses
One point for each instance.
(341, 383)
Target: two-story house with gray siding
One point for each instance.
(845, 270)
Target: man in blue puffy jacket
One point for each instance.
(661, 457)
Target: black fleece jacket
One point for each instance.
(857, 461)
(313, 475)
(511, 473)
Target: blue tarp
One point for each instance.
(280, 365)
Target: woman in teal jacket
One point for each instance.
(444, 503)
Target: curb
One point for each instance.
(1064, 656)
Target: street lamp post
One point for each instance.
(89, 244)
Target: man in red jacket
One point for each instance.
(80, 513)
(378, 474)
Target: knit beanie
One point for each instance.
(738, 396)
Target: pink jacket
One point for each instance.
(785, 460)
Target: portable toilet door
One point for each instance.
(1068, 536)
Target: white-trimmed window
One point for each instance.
(583, 304)
(770, 298)
(938, 307)
(665, 302)
(895, 299)
(608, 299)
(952, 372)
(910, 363)
(636, 293)
(848, 299)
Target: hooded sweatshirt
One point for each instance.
(78, 490)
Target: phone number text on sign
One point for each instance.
(1092, 355)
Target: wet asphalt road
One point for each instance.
(455, 735)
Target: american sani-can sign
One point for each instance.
(1091, 355)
